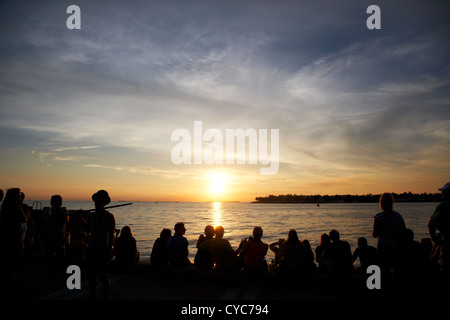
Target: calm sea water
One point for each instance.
(354, 220)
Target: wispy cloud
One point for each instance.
(63, 154)
(75, 148)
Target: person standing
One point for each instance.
(101, 226)
(440, 221)
(12, 222)
(389, 227)
(53, 233)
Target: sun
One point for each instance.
(217, 184)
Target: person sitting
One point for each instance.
(159, 255)
(367, 255)
(204, 259)
(322, 255)
(178, 247)
(427, 248)
(311, 267)
(296, 256)
(77, 249)
(414, 261)
(77, 222)
(221, 250)
(125, 247)
(253, 251)
(340, 255)
(275, 247)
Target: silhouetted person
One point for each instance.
(275, 247)
(101, 226)
(221, 250)
(204, 259)
(25, 207)
(77, 223)
(2, 194)
(413, 256)
(30, 231)
(77, 249)
(53, 234)
(24, 225)
(159, 255)
(321, 254)
(435, 263)
(178, 247)
(427, 248)
(296, 256)
(367, 255)
(125, 247)
(253, 251)
(12, 222)
(440, 221)
(389, 228)
(311, 266)
(340, 255)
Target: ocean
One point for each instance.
(352, 220)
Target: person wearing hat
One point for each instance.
(101, 226)
(440, 221)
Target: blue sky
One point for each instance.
(358, 110)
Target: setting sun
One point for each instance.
(217, 184)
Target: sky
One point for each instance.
(358, 110)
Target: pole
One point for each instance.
(116, 206)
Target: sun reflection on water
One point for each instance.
(216, 213)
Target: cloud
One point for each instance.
(367, 106)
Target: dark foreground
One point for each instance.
(185, 293)
(145, 282)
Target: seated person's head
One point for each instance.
(179, 228)
(209, 231)
(257, 233)
(219, 232)
(362, 242)
(334, 235)
(165, 233)
(126, 232)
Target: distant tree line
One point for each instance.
(349, 198)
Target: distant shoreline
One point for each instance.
(348, 198)
(320, 203)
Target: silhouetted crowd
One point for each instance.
(90, 240)
(399, 256)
